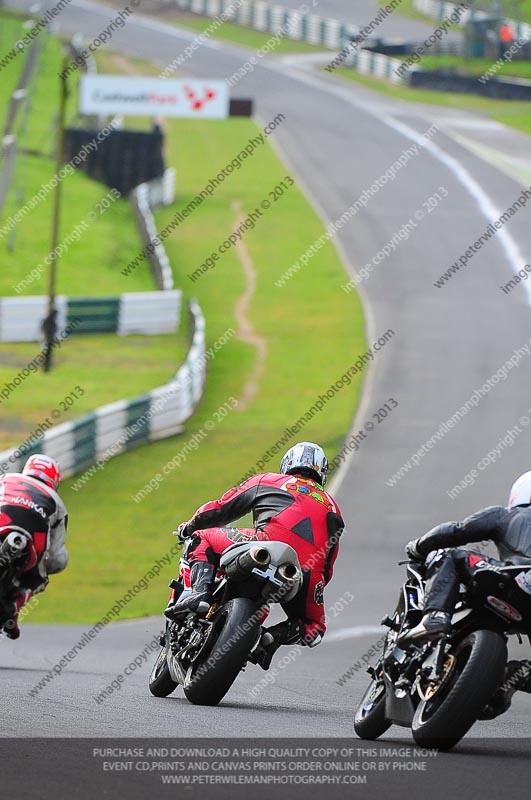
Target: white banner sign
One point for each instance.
(153, 97)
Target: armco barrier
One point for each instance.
(333, 34)
(118, 427)
(324, 31)
(311, 28)
(145, 197)
(147, 313)
(367, 62)
(160, 191)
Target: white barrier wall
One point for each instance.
(147, 313)
(322, 31)
(368, 63)
(266, 17)
(145, 197)
(21, 317)
(120, 426)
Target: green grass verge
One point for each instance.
(313, 330)
(509, 9)
(125, 367)
(89, 265)
(10, 31)
(513, 114)
(521, 121)
(237, 34)
(93, 249)
(476, 66)
(93, 252)
(524, 9)
(407, 9)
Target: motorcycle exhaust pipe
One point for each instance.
(260, 555)
(15, 543)
(243, 564)
(288, 572)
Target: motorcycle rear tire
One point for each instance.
(443, 721)
(212, 677)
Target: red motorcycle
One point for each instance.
(206, 651)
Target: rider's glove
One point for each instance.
(413, 552)
(181, 533)
(313, 635)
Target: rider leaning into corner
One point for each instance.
(291, 507)
(29, 500)
(510, 530)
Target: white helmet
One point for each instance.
(306, 458)
(521, 491)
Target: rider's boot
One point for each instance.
(433, 625)
(202, 576)
(272, 638)
(18, 599)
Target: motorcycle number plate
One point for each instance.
(268, 573)
(504, 609)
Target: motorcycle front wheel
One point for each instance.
(370, 721)
(161, 684)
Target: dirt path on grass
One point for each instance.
(246, 331)
(124, 65)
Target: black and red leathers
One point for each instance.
(285, 508)
(28, 503)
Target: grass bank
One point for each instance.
(310, 332)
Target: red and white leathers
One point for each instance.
(28, 503)
(285, 508)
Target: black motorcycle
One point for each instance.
(16, 546)
(439, 689)
(205, 652)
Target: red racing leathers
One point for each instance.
(30, 504)
(285, 508)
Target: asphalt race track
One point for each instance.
(337, 139)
